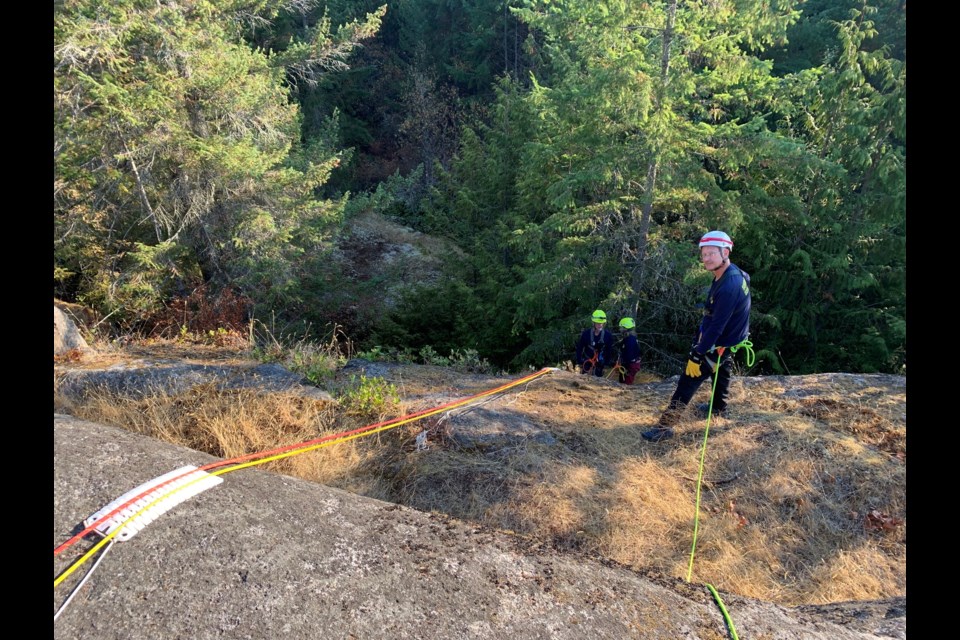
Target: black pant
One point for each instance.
(687, 386)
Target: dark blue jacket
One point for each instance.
(629, 349)
(588, 343)
(726, 320)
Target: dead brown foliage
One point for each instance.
(202, 312)
(73, 355)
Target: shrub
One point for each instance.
(370, 397)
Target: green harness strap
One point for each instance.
(748, 346)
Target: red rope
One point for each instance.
(592, 361)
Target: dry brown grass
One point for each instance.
(785, 513)
(235, 423)
(803, 499)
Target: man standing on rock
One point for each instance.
(725, 324)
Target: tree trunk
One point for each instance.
(653, 166)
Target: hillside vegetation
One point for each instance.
(541, 159)
(802, 500)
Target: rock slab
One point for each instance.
(269, 556)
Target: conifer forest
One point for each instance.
(569, 154)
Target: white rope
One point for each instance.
(76, 589)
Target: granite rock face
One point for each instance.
(269, 556)
(146, 377)
(66, 337)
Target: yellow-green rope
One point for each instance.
(723, 609)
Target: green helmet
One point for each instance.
(627, 323)
(599, 316)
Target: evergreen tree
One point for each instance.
(637, 103)
(814, 38)
(474, 203)
(177, 155)
(828, 240)
(643, 125)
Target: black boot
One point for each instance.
(657, 434)
(718, 412)
(669, 418)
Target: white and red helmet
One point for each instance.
(716, 239)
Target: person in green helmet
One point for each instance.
(595, 346)
(629, 350)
